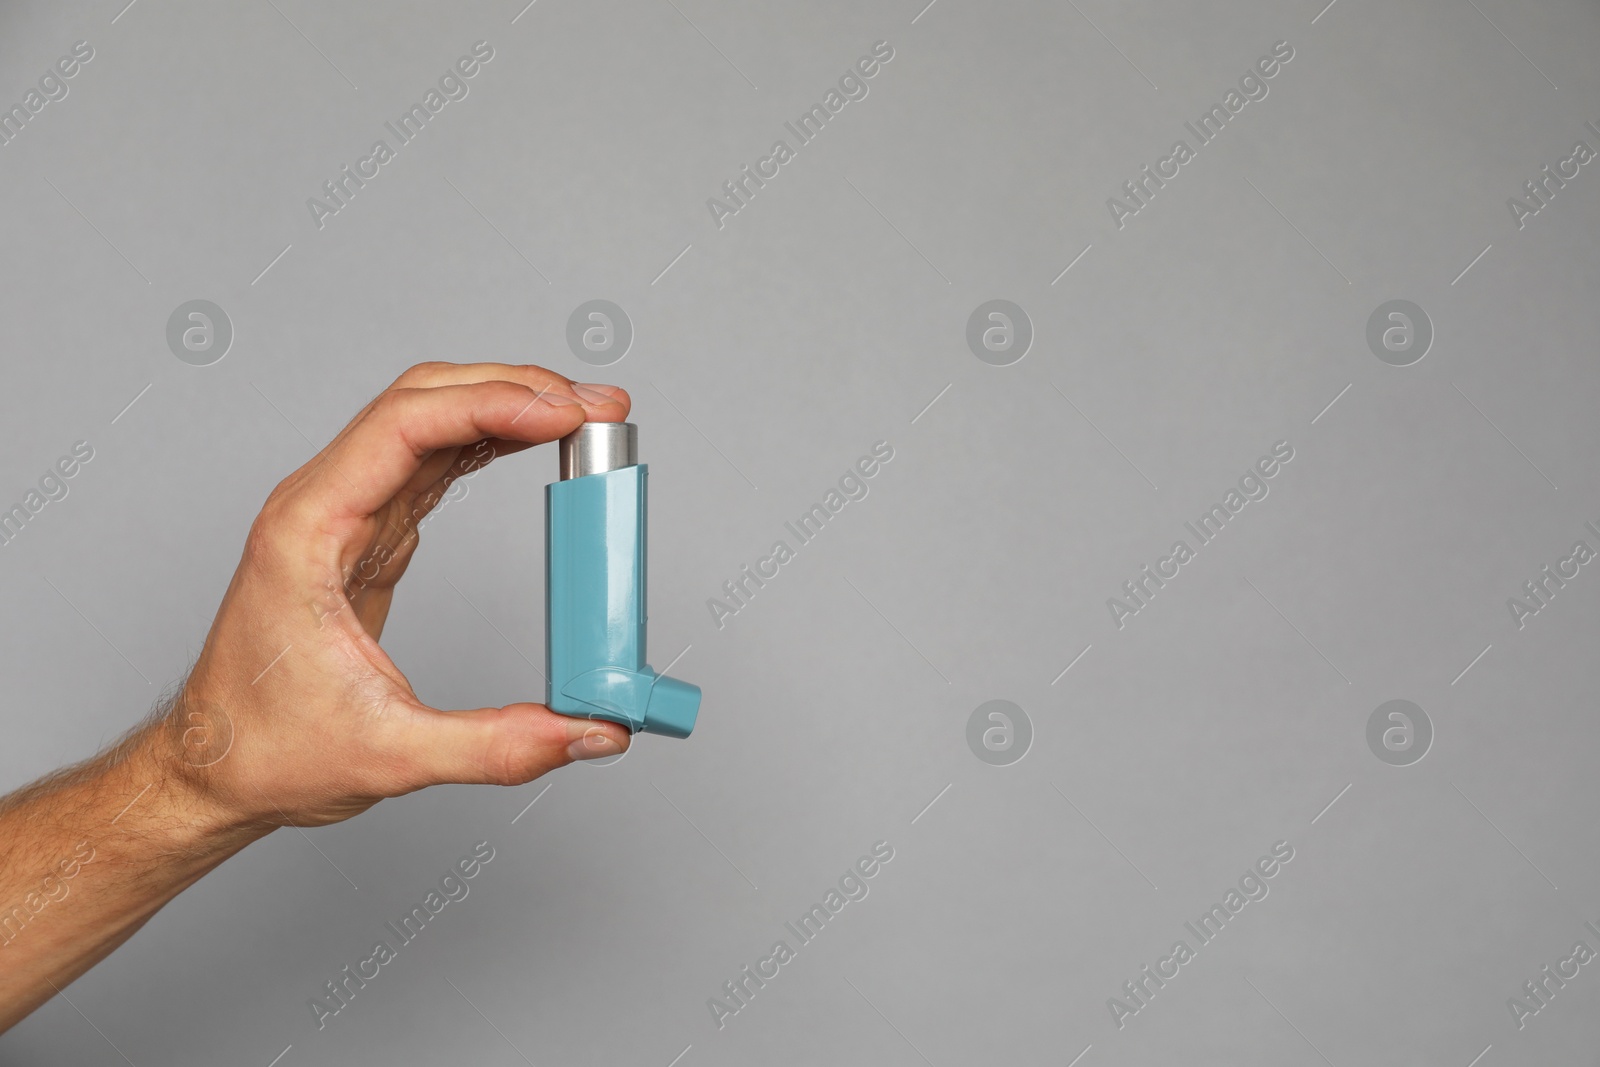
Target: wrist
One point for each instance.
(168, 775)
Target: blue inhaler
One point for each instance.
(595, 547)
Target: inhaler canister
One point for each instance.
(595, 551)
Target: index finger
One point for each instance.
(439, 372)
(373, 458)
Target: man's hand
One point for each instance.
(323, 724)
(292, 714)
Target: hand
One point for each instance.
(293, 714)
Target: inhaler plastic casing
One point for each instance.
(595, 548)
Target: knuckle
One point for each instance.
(422, 374)
(519, 759)
(391, 401)
(388, 412)
(276, 514)
(287, 511)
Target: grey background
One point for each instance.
(1225, 316)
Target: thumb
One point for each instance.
(503, 746)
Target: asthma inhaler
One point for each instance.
(595, 547)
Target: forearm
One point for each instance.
(90, 853)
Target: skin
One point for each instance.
(292, 715)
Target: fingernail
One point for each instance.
(555, 399)
(596, 394)
(593, 745)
